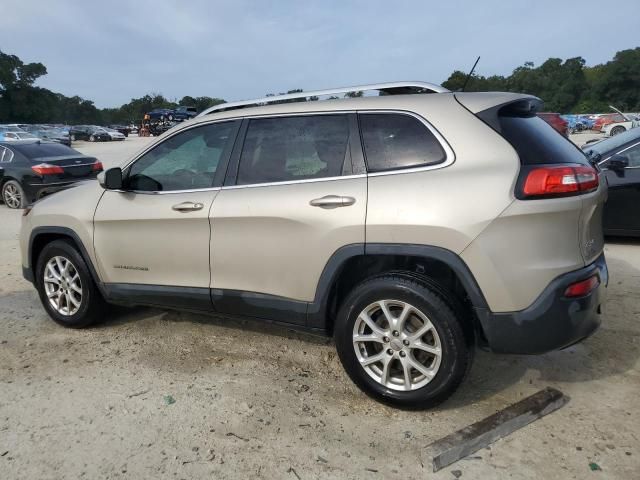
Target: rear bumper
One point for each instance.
(553, 321)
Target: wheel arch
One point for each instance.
(352, 264)
(42, 236)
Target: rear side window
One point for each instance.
(537, 142)
(393, 141)
(294, 148)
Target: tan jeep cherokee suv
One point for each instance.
(411, 225)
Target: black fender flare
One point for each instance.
(317, 310)
(29, 271)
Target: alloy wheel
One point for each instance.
(62, 285)
(397, 345)
(12, 196)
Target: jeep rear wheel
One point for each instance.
(401, 343)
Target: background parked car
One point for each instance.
(556, 121)
(52, 134)
(114, 134)
(161, 114)
(12, 136)
(619, 157)
(606, 119)
(33, 168)
(89, 132)
(121, 128)
(184, 113)
(616, 128)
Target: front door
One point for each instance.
(295, 200)
(152, 239)
(622, 210)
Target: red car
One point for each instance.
(606, 119)
(556, 121)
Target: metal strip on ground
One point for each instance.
(470, 439)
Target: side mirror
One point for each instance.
(618, 163)
(111, 179)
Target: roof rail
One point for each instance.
(391, 88)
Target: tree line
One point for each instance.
(566, 86)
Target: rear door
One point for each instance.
(293, 199)
(152, 238)
(622, 211)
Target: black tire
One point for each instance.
(456, 345)
(92, 308)
(13, 195)
(92, 138)
(617, 130)
(73, 138)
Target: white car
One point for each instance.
(632, 120)
(114, 134)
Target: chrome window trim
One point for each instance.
(449, 153)
(294, 182)
(5, 150)
(168, 192)
(449, 158)
(618, 153)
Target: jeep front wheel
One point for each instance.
(65, 286)
(401, 342)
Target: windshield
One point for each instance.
(611, 143)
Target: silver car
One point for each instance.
(414, 226)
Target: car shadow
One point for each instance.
(612, 350)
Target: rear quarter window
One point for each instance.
(537, 142)
(395, 141)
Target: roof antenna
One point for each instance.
(469, 75)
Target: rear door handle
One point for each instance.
(188, 207)
(332, 201)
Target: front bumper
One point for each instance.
(553, 321)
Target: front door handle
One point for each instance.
(188, 207)
(332, 201)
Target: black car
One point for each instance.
(34, 168)
(52, 134)
(88, 132)
(619, 158)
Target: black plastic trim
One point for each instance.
(27, 274)
(317, 310)
(74, 236)
(437, 253)
(259, 305)
(192, 298)
(553, 321)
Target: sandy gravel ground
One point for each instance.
(155, 394)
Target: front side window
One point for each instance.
(294, 148)
(633, 154)
(186, 161)
(394, 141)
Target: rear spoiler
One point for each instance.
(487, 105)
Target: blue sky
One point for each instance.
(111, 51)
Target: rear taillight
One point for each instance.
(96, 167)
(583, 287)
(47, 169)
(559, 180)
